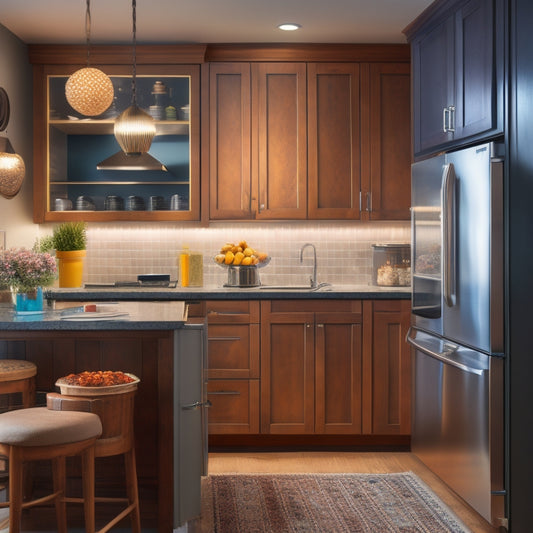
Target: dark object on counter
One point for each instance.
(143, 281)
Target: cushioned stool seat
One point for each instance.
(39, 426)
(18, 376)
(40, 434)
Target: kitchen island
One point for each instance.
(278, 357)
(152, 341)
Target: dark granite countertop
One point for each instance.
(108, 316)
(365, 292)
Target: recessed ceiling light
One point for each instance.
(289, 26)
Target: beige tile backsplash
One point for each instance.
(344, 250)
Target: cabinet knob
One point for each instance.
(320, 325)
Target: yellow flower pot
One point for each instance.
(71, 267)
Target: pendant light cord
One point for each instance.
(88, 31)
(134, 72)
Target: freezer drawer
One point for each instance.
(458, 420)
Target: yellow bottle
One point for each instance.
(184, 266)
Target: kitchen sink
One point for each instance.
(320, 286)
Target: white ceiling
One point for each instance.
(211, 21)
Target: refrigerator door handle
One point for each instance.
(443, 356)
(448, 233)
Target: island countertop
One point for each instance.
(265, 292)
(145, 315)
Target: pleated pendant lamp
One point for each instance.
(134, 128)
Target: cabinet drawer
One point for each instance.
(232, 312)
(235, 406)
(233, 350)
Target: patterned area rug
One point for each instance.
(325, 503)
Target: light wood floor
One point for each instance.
(334, 462)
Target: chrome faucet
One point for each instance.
(313, 279)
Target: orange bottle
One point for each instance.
(184, 266)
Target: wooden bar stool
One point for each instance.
(40, 434)
(116, 413)
(18, 376)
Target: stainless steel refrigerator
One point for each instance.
(457, 323)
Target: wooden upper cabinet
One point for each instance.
(280, 150)
(258, 146)
(334, 140)
(230, 143)
(386, 141)
(309, 138)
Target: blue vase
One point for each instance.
(29, 302)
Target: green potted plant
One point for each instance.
(70, 243)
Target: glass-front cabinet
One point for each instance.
(74, 178)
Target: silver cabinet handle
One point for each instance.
(224, 393)
(451, 124)
(195, 405)
(448, 119)
(223, 338)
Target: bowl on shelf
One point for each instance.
(135, 203)
(85, 203)
(114, 203)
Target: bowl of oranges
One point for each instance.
(241, 262)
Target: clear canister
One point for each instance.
(196, 269)
(391, 264)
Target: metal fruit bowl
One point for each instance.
(243, 275)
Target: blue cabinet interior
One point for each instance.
(84, 151)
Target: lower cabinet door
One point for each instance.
(234, 406)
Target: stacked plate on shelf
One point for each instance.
(135, 203)
(62, 204)
(157, 203)
(85, 203)
(178, 202)
(114, 203)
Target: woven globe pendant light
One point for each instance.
(134, 128)
(89, 90)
